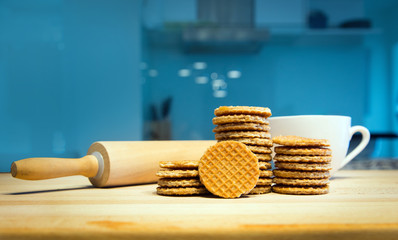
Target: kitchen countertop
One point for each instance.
(362, 204)
(372, 164)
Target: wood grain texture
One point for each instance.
(360, 205)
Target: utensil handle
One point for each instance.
(46, 168)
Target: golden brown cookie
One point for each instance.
(303, 166)
(259, 149)
(303, 159)
(181, 191)
(255, 141)
(296, 141)
(239, 119)
(241, 134)
(179, 182)
(234, 110)
(229, 169)
(265, 173)
(260, 190)
(301, 182)
(264, 157)
(171, 173)
(264, 165)
(300, 174)
(303, 151)
(241, 127)
(185, 164)
(264, 181)
(295, 190)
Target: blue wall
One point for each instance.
(383, 76)
(339, 77)
(69, 76)
(291, 80)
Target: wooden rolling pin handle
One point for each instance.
(46, 168)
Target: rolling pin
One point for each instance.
(110, 164)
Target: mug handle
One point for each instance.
(364, 142)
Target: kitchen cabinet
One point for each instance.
(286, 22)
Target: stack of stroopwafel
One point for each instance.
(302, 165)
(179, 178)
(248, 125)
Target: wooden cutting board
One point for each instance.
(360, 205)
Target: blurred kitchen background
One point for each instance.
(77, 71)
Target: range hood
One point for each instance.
(225, 26)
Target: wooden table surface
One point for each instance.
(360, 205)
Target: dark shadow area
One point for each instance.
(49, 190)
(338, 178)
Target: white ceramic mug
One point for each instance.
(337, 129)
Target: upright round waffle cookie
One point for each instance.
(229, 169)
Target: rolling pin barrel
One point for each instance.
(127, 163)
(113, 163)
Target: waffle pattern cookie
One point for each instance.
(296, 141)
(263, 142)
(179, 164)
(261, 189)
(303, 159)
(230, 135)
(229, 169)
(299, 190)
(177, 173)
(179, 178)
(300, 182)
(183, 191)
(302, 165)
(303, 151)
(182, 182)
(264, 165)
(241, 127)
(264, 157)
(239, 119)
(234, 110)
(250, 126)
